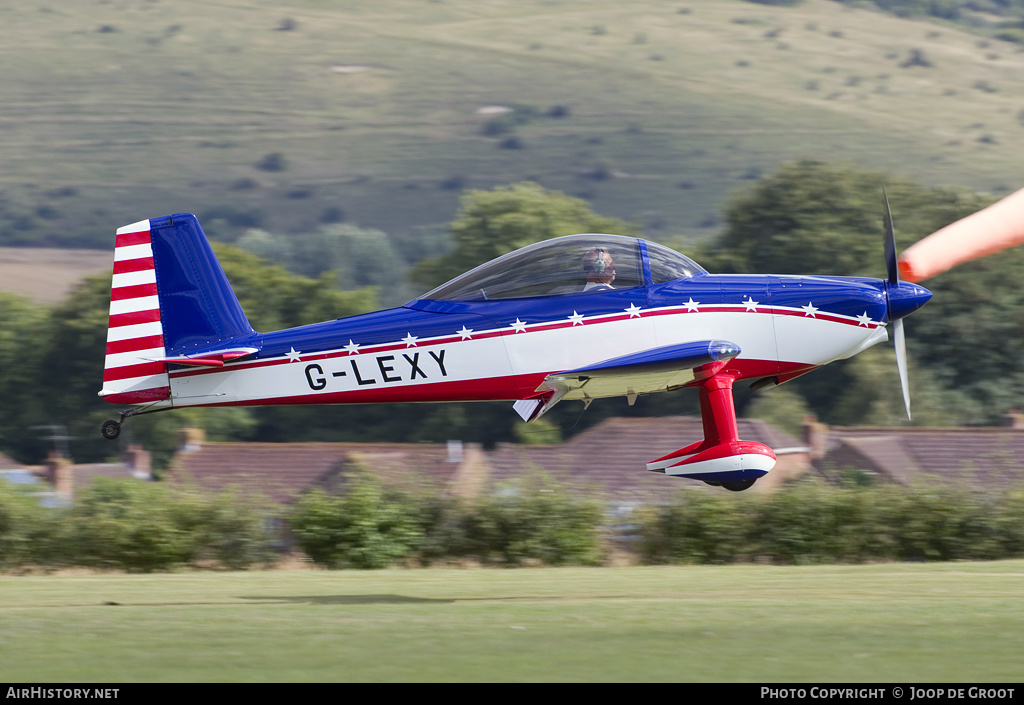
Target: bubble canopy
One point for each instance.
(565, 266)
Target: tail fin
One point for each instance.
(169, 297)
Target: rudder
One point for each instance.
(169, 297)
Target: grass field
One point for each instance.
(902, 623)
(117, 110)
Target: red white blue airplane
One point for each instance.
(580, 317)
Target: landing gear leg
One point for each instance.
(112, 429)
(722, 458)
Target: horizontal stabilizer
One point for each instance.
(215, 358)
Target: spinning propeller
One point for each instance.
(894, 280)
(902, 299)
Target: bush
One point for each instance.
(370, 526)
(29, 533)
(941, 523)
(444, 524)
(700, 527)
(225, 530)
(144, 527)
(128, 525)
(535, 521)
(809, 522)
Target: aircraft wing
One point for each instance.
(652, 370)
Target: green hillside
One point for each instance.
(379, 113)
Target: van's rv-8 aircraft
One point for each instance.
(580, 317)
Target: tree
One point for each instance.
(493, 223)
(816, 218)
(24, 331)
(274, 298)
(51, 362)
(355, 257)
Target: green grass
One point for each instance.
(114, 111)
(952, 622)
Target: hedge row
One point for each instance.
(532, 522)
(133, 526)
(128, 525)
(814, 523)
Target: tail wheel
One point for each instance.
(110, 430)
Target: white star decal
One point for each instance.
(576, 318)
(751, 304)
(809, 309)
(519, 326)
(466, 333)
(692, 305)
(293, 354)
(864, 319)
(351, 348)
(409, 340)
(633, 311)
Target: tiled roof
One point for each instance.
(281, 472)
(978, 456)
(607, 459)
(611, 457)
(85, 473)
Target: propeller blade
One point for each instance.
(901, 362)
(894, 280)
(890, 243)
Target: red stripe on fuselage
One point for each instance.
(503, 388)
(139, 396)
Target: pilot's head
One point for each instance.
(599, 266)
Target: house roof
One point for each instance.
(85, 473)
(981, 457)
(610, 458)
(281, 472)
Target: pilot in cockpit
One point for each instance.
(599, 268)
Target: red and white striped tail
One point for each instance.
(133, 373)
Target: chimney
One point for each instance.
(815, 437)
(1013, 419)
(454, 452)
(59, 474)
(139, 462)
(190, 438)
